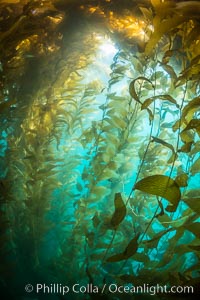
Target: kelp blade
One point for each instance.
(120, 211)
(130, 250)
(160, 185)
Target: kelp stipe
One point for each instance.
(100, 154)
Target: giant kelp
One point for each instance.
(100, 168)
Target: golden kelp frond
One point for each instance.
(189, 110)
(161, 27)
(193, 124)
(148, 101)
(161, 185)
(127, 25)
(191, 73)
(182, 180)
(168, 16)
(162, 142)
(132, 88)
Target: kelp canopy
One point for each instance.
(100, 149)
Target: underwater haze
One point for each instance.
(99, 149)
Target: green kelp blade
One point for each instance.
(182, 180)
(195, 247)
(193, 124)
(166, 57)
(194, 228)
(132, 89)
(130, 250)
(120, 211)
(162, 142)
(193, 203)
(151, 116)
(195, 168)
(132, 247)
(160, 185)
(170, 71)
(153, 243)
(116, 258)
(186, 147)
(162, 212)
(190, 108)
(148, 101)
